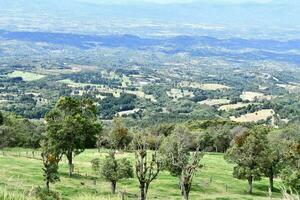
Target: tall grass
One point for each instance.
(289, 196)
(7, 195)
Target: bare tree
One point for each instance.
(147, 166)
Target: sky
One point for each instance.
(216, 2)
(243, 16)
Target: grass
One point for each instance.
(214, 102)
(254, 117)
(251, 96)
(233, 106)
(18, 175)
(26, 76)
(204, 86)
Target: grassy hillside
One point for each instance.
(20, 174)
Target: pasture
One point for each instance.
(233, 106)
(254, 117)
(26, 76)
(204, 86)
(214, 102)
(20, 173)
(252, 96)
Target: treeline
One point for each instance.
(19, 132)
(111, 105)
(93, 78)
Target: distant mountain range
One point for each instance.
(233, 48)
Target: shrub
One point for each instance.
(43, 194)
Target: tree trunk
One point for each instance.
(70, 163)
(113, 187)
(47, 186)
(184, 191)
(250, 183)
(271, 182)
(142, 189)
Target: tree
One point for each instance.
(119, 136)
(272, 164)
(287, 140)
(1, 119)
(71, 126)
(50, 163)
(113, 169)
(147, 167)
(247, 152)
(178, 159)
(291, 171)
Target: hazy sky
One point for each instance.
(241, 16)
(295, 2)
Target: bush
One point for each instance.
(43, 194)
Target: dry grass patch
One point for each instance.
(214, 102)
(233, 106)
(252, 96)
(254, 117)
(204, 86)
(292, 87)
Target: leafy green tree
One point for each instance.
(247, 152)
(113, 169)
(273, 163)
(71, 126)
(287, 140)
(178, 159)
(119, 137)
(291, 172)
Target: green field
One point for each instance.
(214, 181)
(26, 76)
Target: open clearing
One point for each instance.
(175, 93)
(254, 117)
(252, 96)
(204, 86)
(213, 181)
(214, 102)
(292, 87)
(233, 106)
(127, 112)
(26, 76)
(105, 89)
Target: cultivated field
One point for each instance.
(213, 181)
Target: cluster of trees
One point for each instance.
(19, 132)
(72, 126)
(258, 152)
(93, 78)
(109, 106)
